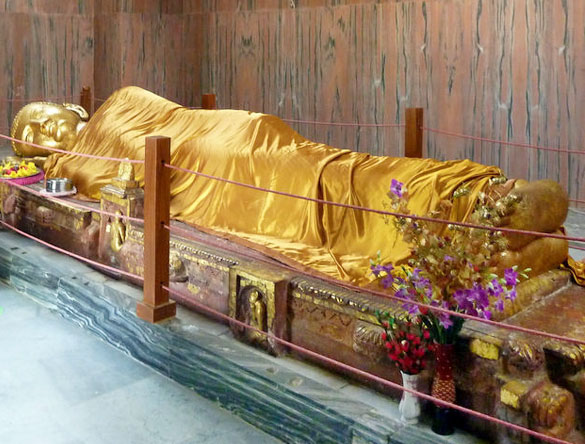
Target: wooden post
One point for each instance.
(413, 135)
(208, 101)
(85, 99)
(156, 306)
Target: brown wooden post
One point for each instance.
(85, 99)
(413, 135)
(208, 101)
(156, 306)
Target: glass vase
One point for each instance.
(443, 388)
(409, 406)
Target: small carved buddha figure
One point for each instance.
(48, 124)
(257, 313)
(118, 232)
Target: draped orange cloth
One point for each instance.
(261, 150)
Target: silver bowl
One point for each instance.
(58, 185)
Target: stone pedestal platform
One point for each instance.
(291, 400)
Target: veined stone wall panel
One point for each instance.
(502, 69)
(47, 53)
(141, 43)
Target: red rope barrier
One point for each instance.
(352, 287)
(68, 253)
(69, 202)
(502, 142)
(56, 150)
(374, 125)
(382, 212)
(577, 200)
(365, 374)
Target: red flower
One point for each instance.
(406, 343)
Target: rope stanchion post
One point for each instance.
(208, 101)
(413, 133)
(85, 99)
(156, 305)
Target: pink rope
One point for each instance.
(502, 142)
(56, 150)
(360, 290)
(69, 202)
(68, 253)
(577, 200)
(373, 125)
(187, 299)
(371, 210)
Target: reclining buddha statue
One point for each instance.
(47, 124)
(261, 150)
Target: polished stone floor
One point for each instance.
(59, 384)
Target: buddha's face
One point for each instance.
(47, 124)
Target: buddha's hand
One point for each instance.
(533, 206)
(551, 410)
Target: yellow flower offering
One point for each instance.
(13, 170)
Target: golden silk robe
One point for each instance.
(261, 150)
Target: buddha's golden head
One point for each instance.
(47, 124)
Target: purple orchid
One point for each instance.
(511, 276)
(444, 318)
(496, 288)
(396, 188)
(511, 294)
(378, 269)
(387, 281)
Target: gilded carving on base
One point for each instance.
(258, 298)
(177, 269)
(522, 357)
(551, 410)
(117, 230)
(367, 340)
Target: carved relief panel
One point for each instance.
(258, 299)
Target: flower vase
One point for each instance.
(443, 388)
(409, 406)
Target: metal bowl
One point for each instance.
(58, 185)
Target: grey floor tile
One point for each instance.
(61, 385)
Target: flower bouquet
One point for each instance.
(450, 269)
(408, 344)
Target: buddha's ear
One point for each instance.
(77, 109)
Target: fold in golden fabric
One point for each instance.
(261, 150)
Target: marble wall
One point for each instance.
(501, 69)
